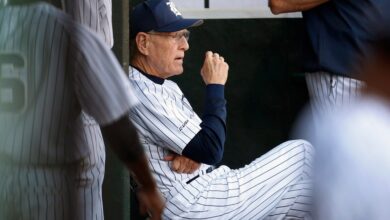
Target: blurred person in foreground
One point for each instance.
(51, 69)
(352, 163)
(274, 186)
(338, 33)
(96, 15)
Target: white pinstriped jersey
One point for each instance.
(274, 186)
(166, 122)
(50, 69)
(95, 14)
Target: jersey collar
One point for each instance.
(155, 79)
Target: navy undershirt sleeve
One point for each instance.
(208, 145)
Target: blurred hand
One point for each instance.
(182, 164)
(151, 203)
(215, 69)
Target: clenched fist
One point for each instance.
(215, 69)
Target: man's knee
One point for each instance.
(304, 149)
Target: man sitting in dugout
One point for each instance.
(183, 147)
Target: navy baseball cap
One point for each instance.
(159, 16)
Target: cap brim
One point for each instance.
(180, 25)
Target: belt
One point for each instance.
(195, 177)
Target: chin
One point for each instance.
(174, 70)
(173, 73)
(178, 71)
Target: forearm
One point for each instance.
(141, 174)
(122, 137)
(284, 6)
(208, 145)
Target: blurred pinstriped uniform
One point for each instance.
(96, 15)
(329, 92)
(51, 68)
(274, 186)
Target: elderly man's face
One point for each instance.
(166, 52)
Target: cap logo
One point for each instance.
(173, 8)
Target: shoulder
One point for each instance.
(39, 9)
(152, 93)
(63, 21)
(139, 81)
(145, 84)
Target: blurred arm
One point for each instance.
(122, 137)
(284, 6)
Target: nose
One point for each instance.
(184, 44)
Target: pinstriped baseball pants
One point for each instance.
(329, 92)
(275, 186)
(51, 193)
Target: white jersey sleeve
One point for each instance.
(164, 116)
(101, 86)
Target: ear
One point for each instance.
(142, 42)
